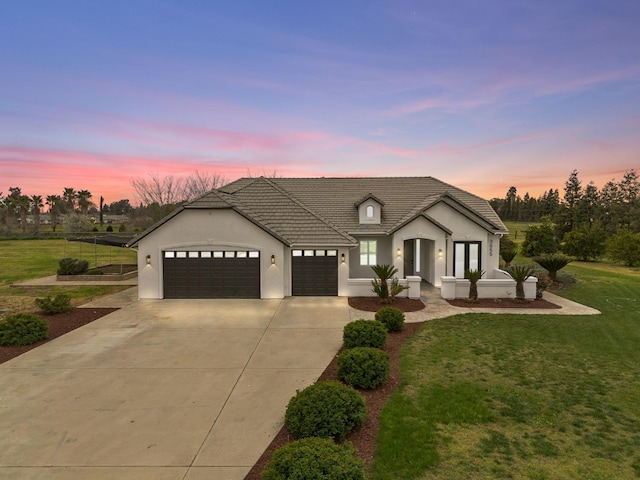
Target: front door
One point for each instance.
(409, 257)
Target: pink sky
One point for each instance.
(482, 96)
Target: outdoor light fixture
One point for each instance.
(273, 259)
(399, 252)
(148, 259)
(439, 253)
(342, 258)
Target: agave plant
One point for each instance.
(473, 276)
(520, 273)
(552, 262)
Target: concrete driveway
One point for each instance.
(170, 389)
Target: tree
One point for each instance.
(586, 242)
(520, 273)
(508, 250)
(198, 184)
(36, 205)
(55, 203)
(572, 194)
(473, 276)
(624, 247)
(84, 201)
(552, 263)
(540, 239)
(69, 196)
(78, 223)
(161, 191)
(121, 207)
(17, 207)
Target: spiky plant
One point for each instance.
(520, 273)
(552, 262)
(473, 276)
(381, 286)
(508, 256)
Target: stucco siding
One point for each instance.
(219, 229)
(384, 256)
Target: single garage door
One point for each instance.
(314, 272)
(219, 274)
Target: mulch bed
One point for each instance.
(372, 304)
(363, 438)
(501, 303)
(59, 324)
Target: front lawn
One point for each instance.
(25, 259)
(521, 396)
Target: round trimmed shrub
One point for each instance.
(314, 458)
(364, 333)
(363, 367)
(22, 329)
(325, 409)
(391, 317)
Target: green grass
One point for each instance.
(26, 259)
(518, 396)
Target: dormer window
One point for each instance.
(370, 211)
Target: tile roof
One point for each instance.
(323, 211)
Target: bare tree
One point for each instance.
(200, 183)
(171, 190)
(163, 191)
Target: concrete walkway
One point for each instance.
(438, 307)
(170, 389)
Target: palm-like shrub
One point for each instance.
(552, 263)
(325, 409)
(520, 273)
(508, 255)
(314, 458)
(381, 285)
(473, 276)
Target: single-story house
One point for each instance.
(277, 237)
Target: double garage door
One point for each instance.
(205, 274)
(236, 274)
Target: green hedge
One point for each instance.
(22, 329)
(391, 317)
(363, 367)
(314, 459)
(364, 333)
(325, 409)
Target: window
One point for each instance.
(466, 256)
(369, 211)
(368, 252)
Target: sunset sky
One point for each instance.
(481, 94)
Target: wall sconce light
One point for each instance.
(273, 259)
(440, 253)
(399, 252)
(342, 258)
(148, 259)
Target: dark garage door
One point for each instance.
(314, 272)
(227, 274)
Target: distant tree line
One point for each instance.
(586, 222)
(20, 213)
